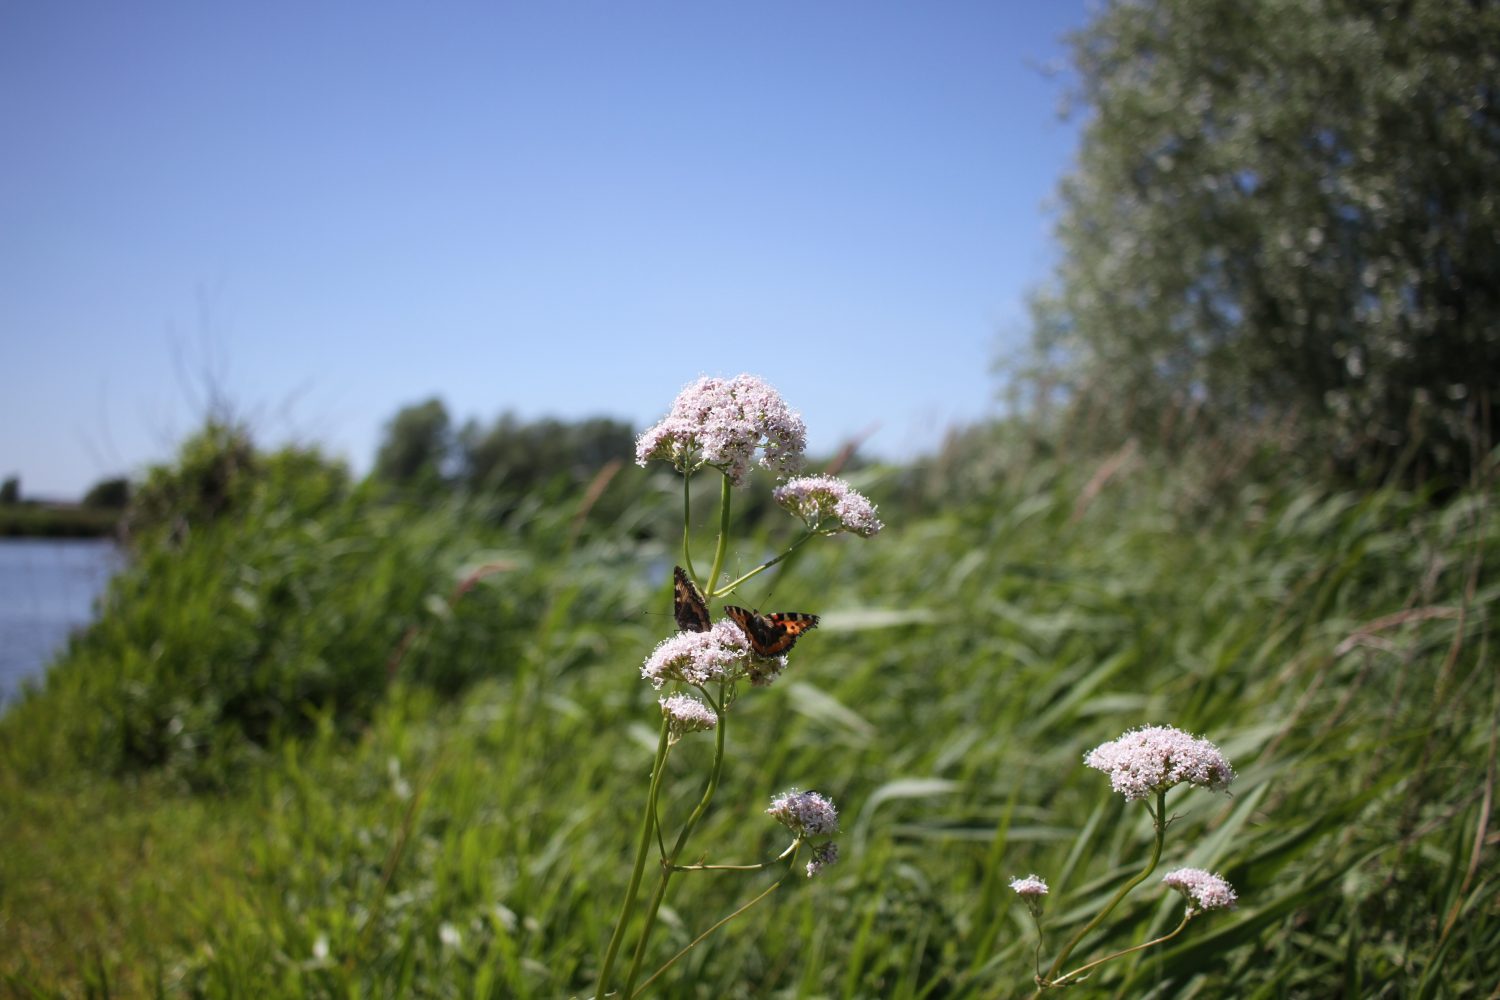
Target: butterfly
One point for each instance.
(688, 605)
(771, 634)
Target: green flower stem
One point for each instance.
(725, 495)
(1159, 817)
(648, 824)
(700, 938)
(671, 859)
(1061, 980)
(1036, 958)
(765, 565)
(687, 523)
(791, 850)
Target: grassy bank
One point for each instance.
(456, 817)
(33, 520)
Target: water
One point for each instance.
(47, 589)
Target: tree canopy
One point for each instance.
(1286, 210)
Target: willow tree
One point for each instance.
(1286, 209)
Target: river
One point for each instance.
(47, 589)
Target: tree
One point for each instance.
(418, 447)
(1286, 209)
(113, 494)
(10, 490)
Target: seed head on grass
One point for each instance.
(1204, 890)
(1154, 758)
(806, 814)
(828, 505)
(721, 423)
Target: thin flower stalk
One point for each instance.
(727, 425)
(1159, 819)
(1076, 974)
(702, 937)
(671, 859)
(648, 825)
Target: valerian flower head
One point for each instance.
(1031, 889)
(1031, 885)
(1204, 890)
(807, 814)
(764, 670)
(721, 423)
(828, 505)
(1154, 758)
(824, 856)
(721, 653)
(686, 714)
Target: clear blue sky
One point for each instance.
(556, 209)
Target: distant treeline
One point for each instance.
(98, 514)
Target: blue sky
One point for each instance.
(560, 209)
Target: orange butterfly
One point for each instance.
(688, 605)
(771, 634)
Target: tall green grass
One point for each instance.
(461, 824)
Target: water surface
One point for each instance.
(47, 589)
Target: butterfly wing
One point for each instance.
(772, 634)
(688, 605)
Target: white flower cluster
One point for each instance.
(686, 714)
(1154, 758)
(807, 814)
(828, 505)
(721, 653)
(721, 423)
(1204, 890)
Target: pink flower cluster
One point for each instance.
(686, 714)
(807, 814)
(721, 653)
(720, 423)
(828, 505)
(1154, 758)
(1204, 890)
(1031, 885)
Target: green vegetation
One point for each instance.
(36, 520)
(388, 738)
(452, 809)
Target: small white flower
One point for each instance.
(449, 935)
(828, 505)
(721, 423)
(721, 653)
(807, 814)
(1154, 758)
(686, 714)
(1031, 885)
(1204, 890)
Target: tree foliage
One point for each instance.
(1286, 211)
(416, 452)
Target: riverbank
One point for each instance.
(46, 520)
